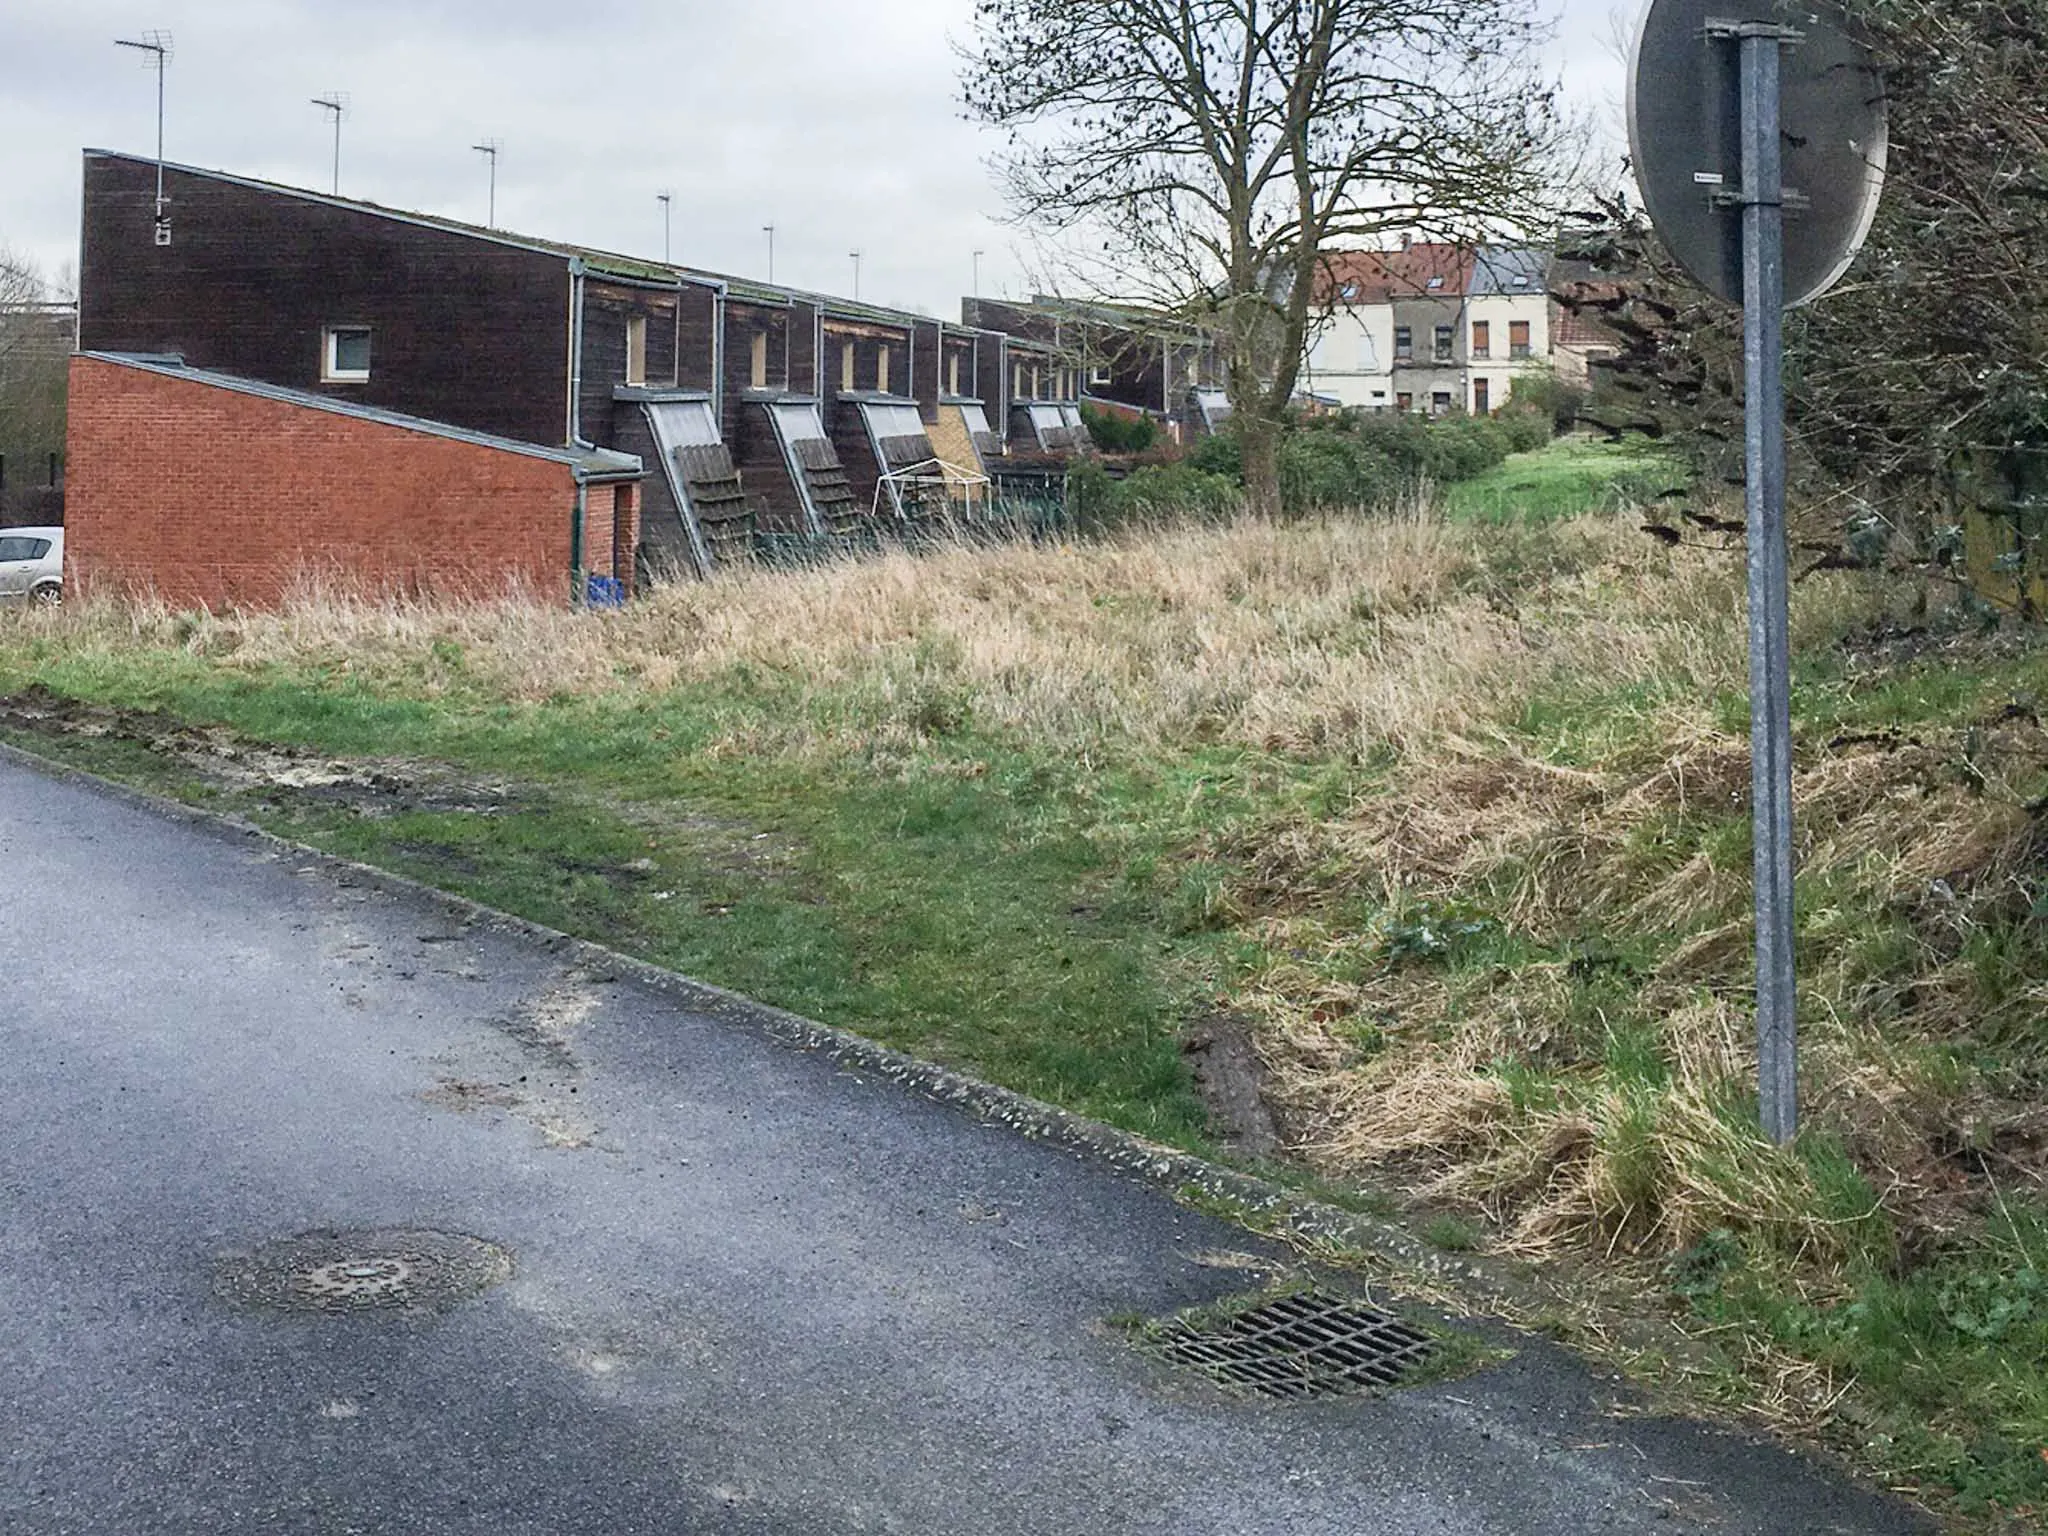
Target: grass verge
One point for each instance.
(1449, 815)
(1571, 477)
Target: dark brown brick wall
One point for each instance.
(463, 330)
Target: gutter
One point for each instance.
(579, 583)
(574, 436)
(719, 289)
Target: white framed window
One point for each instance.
(636, 349)
(1098, 373)
(345, 354)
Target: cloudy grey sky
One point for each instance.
(836, 123)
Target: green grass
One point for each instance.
(1565, 478)
(987, 921)
(877, 848)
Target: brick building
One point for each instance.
(764, 416)
(203, 488)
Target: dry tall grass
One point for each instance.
(1431, 651)
(1345, 635)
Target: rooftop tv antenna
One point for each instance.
(664, 198)
(489, 150)
(769, 231)
(158, 44)
(856, 273)
(337, 103)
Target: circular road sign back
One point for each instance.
(1684, 131)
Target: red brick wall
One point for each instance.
(626, 535)
(205, 495)
(598, 530)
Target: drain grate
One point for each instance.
(1303, 1344)
(382, 1269)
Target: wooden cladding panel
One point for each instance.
(803, 350)
(607, 311)
(743, 322)
(927, 379)
(463, 329)
(992, 385)
(778, 505)
(849, 434)
(697, 317)
(664, 542)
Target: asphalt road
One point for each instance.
(752, 1291)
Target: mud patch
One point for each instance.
(1230, 1079)
(235, 764)
(547, 1023)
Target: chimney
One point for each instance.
(1406, 239)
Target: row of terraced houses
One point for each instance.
(274, 385)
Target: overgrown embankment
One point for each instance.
(1448, 820)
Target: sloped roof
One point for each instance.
(1423, 269)
(1581, 291)
(1509, 271)
(598, 262)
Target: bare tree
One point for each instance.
(35, 343)
(1206, 153)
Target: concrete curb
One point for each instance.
(1263, 1204)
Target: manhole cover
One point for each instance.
(1304, 1344)
(376, 1270)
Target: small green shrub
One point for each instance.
(1545, 394)
(1167, 489)
(1324, 468)
(1527, 429)
(1459, 447)
(1091, 495)
(1220, 454)
(1116, 433)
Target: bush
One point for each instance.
(1090, 494)
(1545, 394)
(1117, 433)
(1527, 429)
(1459, 447)
(1220, 454)
(1399, 437)
(1325, 468)
(1356, 459)
(1160, 490)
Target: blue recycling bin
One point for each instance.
(605, 592)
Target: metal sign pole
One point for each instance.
(1770, 649)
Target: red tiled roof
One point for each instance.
(1375, 277)
(1576, 309)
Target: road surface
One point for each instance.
(750, 1291)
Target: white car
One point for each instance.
(31, 565)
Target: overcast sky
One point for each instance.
(837, 123)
